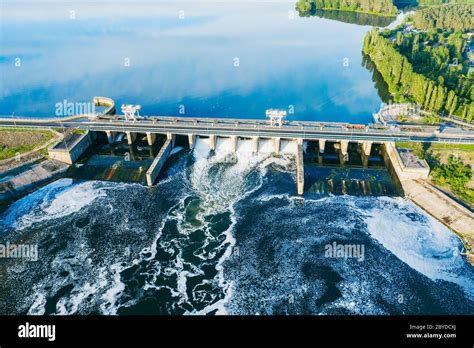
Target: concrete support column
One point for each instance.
(322, 145)
(344, 157)
(233, 144)
(151, 138)
(212, 141)
(254, 144)
(130, 137)
(367, 147)
(276, 145)
(344, 147)
(299, 167)
(191, 140)
(171, 137)
(159, 161)
(110, 136)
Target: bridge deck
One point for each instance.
(308, 130)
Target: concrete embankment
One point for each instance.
(158, 163)
(452, 214)
(30, 156)
(299, 167)
(412, 173)
(71, 148)
(11, 186)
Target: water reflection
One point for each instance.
(347, 17)
(379, 83)
(216, 60)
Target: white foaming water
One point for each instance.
(38, 306)
(265, 146)
(223, 145)
(221, 190)
(305, 146)
(94, 282)
(227, 184)
(110, 296)
(288, 146)
(56, 200)
(422, 243)
(202, 148)
(244, 146)
(426, 246)
(176, 150)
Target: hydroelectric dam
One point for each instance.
(283, 136)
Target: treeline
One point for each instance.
(379, 7)
(440, 56)
(456, 175)
(453, 16)
(408, 85)
(357, 18)
(424, 3)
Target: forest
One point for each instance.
(452, 16)
(423, 3)
(358, 18)
(378, 7)
(417, 72)
(455, 175)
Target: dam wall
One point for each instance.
(406, 165)
(71, 147)
(159, 161)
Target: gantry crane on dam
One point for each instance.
(213, 128)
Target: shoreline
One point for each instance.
(444, 209)
(417, 189)
(378, 14)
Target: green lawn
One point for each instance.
(435, 146)
(437, 156)
(15, 141)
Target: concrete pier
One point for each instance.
(365, 154)
(212, 142)
(406, 166)
(191, 140)
(343, 155)
(254, 144)
(71, 148)
(159, 161)
(171, 137)
(110, 136)
(299, 167)
(344, 146)
(130, 137)
(322, 145)
(233, 144)
(367, 147)
(276, 145)
(151, 138)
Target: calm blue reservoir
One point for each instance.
(203, 59)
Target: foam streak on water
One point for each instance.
(223, 233)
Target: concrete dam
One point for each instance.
(244, 136)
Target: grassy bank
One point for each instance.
(14, 141)
(451, 167)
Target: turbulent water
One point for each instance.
(225, 234)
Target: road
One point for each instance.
(254, 128)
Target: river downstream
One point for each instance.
(221, 237)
